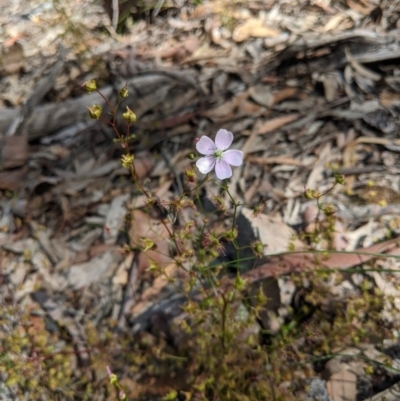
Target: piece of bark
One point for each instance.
(342, 385)
(275, 266)
(49, 118)
(20, 123)
(12, 179)
(149, 91)
(12, 59)
(291, 263)
(14, 151)
(390, 394)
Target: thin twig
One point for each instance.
(129, 291)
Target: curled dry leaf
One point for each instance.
(389, 99)
(84, 274)
(262, 95)
(334, 23)
(360, 69)
(283, 94)
(205, 10)
(253, 27)
(363, 9)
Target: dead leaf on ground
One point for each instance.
(363, 9)
(84, 274)
(342, 384)
(389, 99)
(151, 294)
(227, 110)
(276, 123)
(12, 59)
(273, 233)
(334, 23)
(274, 160)
(206, 9)
(115, 218)
(206, 52)
(179, 51)
(253, 27)
(316, 174)
(262, 95)
(361, 69)
(278, 265)
(283, 94)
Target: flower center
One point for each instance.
(218, 154)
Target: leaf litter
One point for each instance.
(307, 88)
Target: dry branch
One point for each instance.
(149, 91)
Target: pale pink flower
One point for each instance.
(216, 154)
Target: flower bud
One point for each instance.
(148, 244)
(309, 193)
(231, 234)
(369, 370)
(312, 194)
(191, 156)
(152, 267)
(127, 160)
(113, 379)
(258, 249)
(172, 395)
(190, 175)
(95, 111)
(328, 209)
(129, 116)
(261, 297)
(90, 86)
(258, 209)
(240, 283)
(218, 202)
(123, 92)
(339, 179)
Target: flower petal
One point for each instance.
(205, 164)
(206, 146)
(233, 157)
(223, 169)
(223, 139)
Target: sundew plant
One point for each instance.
(217, 347)
(227, 338)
